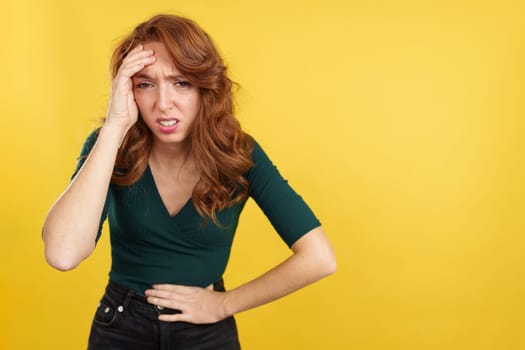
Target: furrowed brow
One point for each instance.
(176, 77)
(142, 76)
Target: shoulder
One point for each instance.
(258, 154)
(262, 166)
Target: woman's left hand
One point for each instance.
(198, 305)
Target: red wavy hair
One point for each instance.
(222, 151)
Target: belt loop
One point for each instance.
(125, 302)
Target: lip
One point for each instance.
(168, 129)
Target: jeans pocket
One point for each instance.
(107, 312)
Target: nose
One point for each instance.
(164, 99)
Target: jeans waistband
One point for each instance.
(123, 295)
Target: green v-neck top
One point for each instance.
(150, 246)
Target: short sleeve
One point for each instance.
(287, 211)
(84, 153)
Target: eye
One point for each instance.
(183, 83)
(144, 85)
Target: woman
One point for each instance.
(171, 169)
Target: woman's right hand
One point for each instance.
(122, 109)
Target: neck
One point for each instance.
(169, 156)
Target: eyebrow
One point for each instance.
(147, 77)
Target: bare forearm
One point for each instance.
(71, 225)
(313, 261)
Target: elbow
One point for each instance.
(61, 262)
(61, 257)
(327, 261)
(62, 266)
(318, 253)
(64, 254)
(329, 265)
(323, 264)
(332, 267)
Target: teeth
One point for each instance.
(168, 122)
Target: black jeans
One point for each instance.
(124, 320)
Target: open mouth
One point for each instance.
(168, 123)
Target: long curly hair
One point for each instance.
(222, 151)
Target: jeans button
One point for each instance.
(120, 308)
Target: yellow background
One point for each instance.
(400, 122)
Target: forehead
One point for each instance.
(163, 61)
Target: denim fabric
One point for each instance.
(124, 320)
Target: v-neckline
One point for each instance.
(159, 197)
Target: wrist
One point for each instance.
(227, 308)
(114, 131)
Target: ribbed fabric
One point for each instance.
(149, 246)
